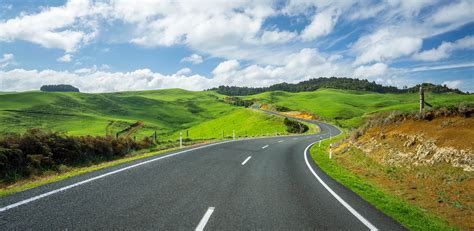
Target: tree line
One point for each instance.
(332, 82)
(59, 88)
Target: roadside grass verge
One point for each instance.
(408, 215)
(71, 171)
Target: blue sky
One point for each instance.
(104, 46)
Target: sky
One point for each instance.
(126, 45)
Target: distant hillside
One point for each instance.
(333, 82)
(347, 108)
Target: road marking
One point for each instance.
(245, 161)
(280, 141)
(345, 204)
(26, 201)
(205, 219)
(266, 146)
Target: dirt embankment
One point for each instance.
(415, 143)
(427, 163)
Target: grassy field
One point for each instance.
(166, 111)
(348, 108)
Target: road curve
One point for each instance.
(245, 184)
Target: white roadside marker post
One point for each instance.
(233, 134)
(180, 139)
(320, 141)
(330, 151)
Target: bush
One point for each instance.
(282, 108)
(293, 126)
(36, 151)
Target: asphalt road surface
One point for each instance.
(266, 183)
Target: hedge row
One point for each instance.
(37, 151)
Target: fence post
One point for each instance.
(422, 99)
(330, 151)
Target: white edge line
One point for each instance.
(99, 177)
(245, 161)
(338, 198)
(266, 146)
(205, 219)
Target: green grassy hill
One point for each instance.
(349, 107)
(165, 111)
(202, 113)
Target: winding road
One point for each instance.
(265, 183)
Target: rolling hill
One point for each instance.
(203, 113)
(166, 111)
(348, 108)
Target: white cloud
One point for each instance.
(377, 69)
(369, 12)
(383, 45)
(453, 83)
(65, 58)
(194, 59)
(53, 27)
(226, 67)
(277, 37)
(6, 60)
(99, 81)
(322, 24)
(300, 66)
(184, 71)
(458, 12)
(444, 50)
(442, 67)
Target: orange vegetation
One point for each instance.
(300, 115)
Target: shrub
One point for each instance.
(37, 151)
(293, 126)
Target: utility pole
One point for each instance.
(422, 99)
(180, 139)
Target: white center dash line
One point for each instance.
(266, 146)
(245, 161)
(205, 219)
(280, 141)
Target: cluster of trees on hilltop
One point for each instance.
(333, 82)
(431, 88)
(59, 88)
